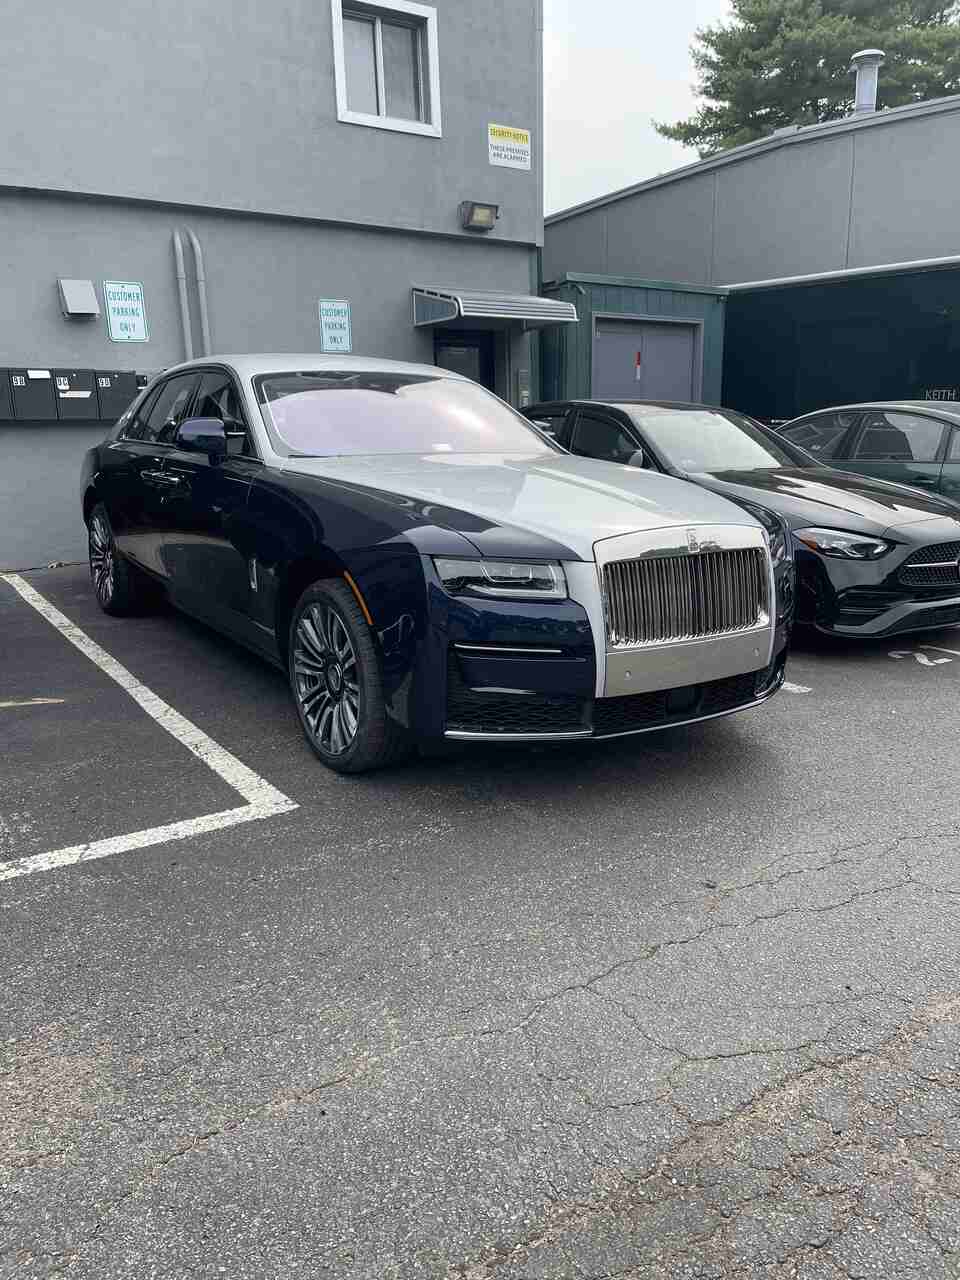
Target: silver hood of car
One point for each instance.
(576, 501)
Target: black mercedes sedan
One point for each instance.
(424, 564)
(872, 558)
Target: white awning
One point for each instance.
(439, 305)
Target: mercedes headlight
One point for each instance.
(846, 546)
(503, 579)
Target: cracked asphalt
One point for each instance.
(686, 1005)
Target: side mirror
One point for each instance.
(637, 459)
(203, 435)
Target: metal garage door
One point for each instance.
(645, 360)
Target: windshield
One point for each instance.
(324, 414)
(694, 440)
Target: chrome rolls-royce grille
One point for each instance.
(683, 597)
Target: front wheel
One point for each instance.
(337, 684)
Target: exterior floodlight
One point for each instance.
(475, 216)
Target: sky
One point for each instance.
(612, 67)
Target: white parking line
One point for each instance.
(262, 799)
(33, 702)
(789, 687)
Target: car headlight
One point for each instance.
(778, 534)
(848, 546)
(504, 579)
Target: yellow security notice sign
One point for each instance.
(509, 147)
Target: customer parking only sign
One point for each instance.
(335, 325)
(126, 312)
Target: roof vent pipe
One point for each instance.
(866, 64)
(202, 293)
(182, 292)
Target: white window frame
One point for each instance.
(426, 16)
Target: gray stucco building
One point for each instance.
(311, 151)
(838, 245)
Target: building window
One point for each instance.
(387, 65)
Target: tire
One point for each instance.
(116, 584)
(337, 684)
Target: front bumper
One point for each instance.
(894, 617)
(514, 715)
(535, 672)
(870, 600)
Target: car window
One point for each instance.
(954, 454)
(169, 408)
(342, 413)
(705, 439)
(897, 437)
(218, 397)
(822, 436)
(603, 438)
(135, 427)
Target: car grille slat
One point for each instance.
(662, 598)
(935, 566)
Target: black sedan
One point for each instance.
(424, 564)
(873, 558)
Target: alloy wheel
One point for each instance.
(101, 559)
(326, 678)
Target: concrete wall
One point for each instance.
(860, 193)
(264, 277)
(232, 106)
(40, 517)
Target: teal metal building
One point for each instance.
(636, 339)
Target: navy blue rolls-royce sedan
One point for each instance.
(426, 564)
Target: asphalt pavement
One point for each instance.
(683, 1005)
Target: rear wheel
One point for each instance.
(337, 684)
(115, 582)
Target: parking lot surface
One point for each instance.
(686, 1004)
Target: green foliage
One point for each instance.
(784, 62)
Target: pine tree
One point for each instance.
(785, 62)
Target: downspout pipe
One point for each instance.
(182, 291)
(202, 293)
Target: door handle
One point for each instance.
(162, 478)
(925, 482)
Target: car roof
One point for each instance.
(248, 365)
(950, 407)
(655, 404)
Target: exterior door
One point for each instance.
(645, 360)
(471, 353)
(205, 548)
(132, 480)
(906, 448)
